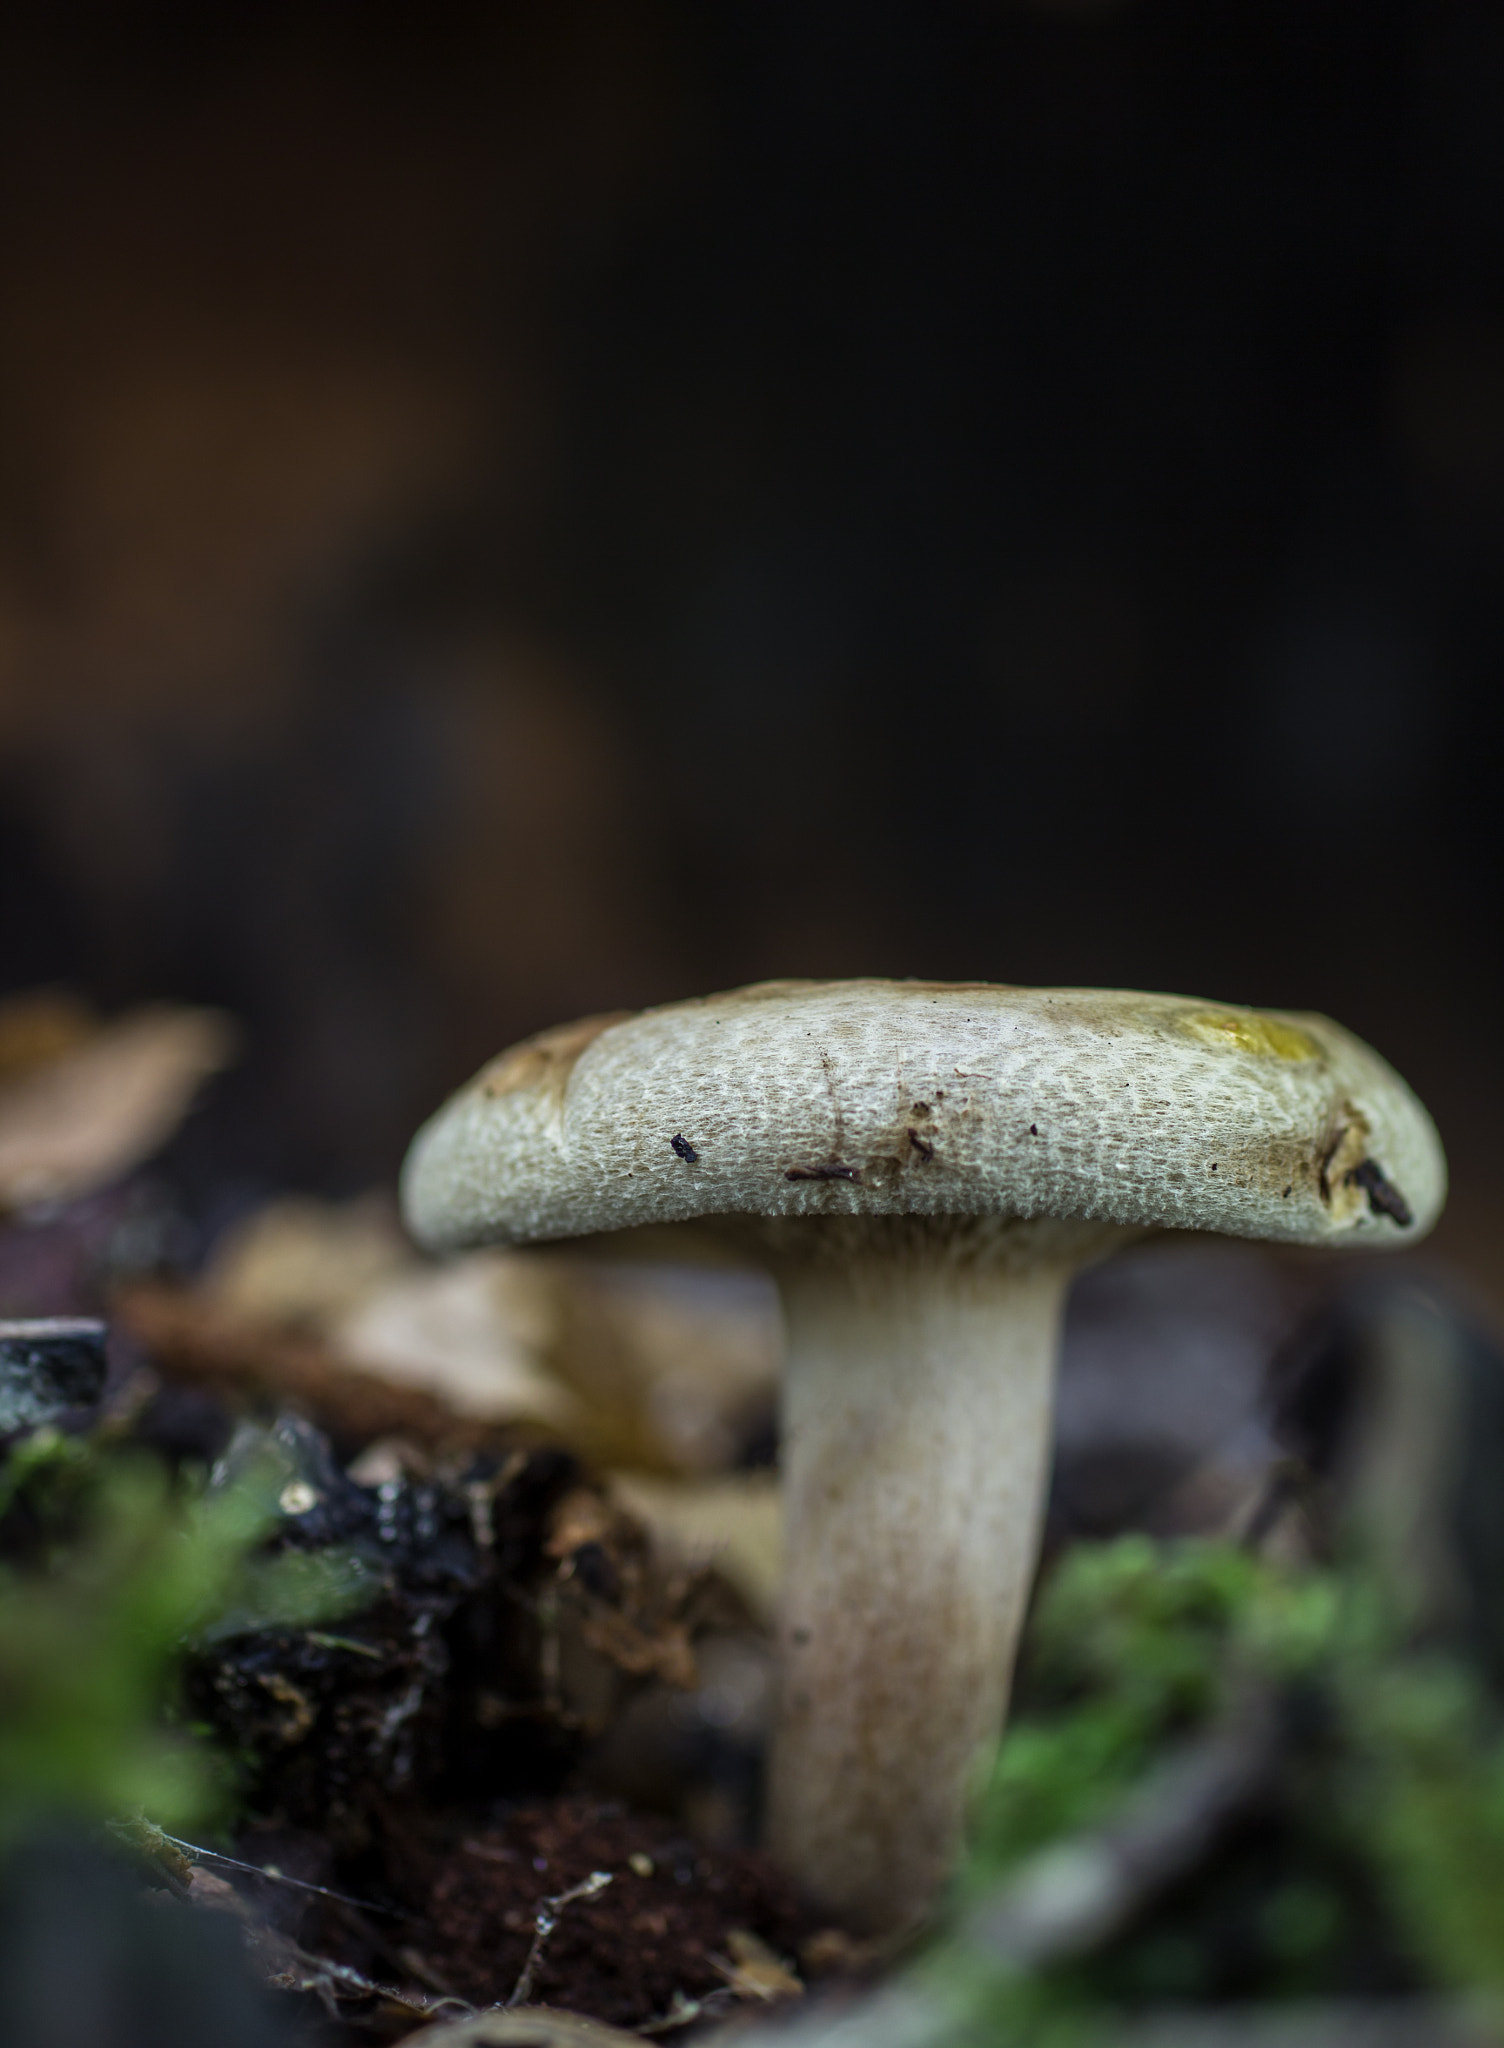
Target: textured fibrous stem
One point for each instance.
(917, 1422)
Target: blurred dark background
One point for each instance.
(526, 509)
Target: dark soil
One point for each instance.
(655, 1929)
(414, 1754)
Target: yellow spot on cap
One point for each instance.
(1248, 1031)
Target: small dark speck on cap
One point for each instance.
(1287, 1190)
(1033, 1130)
(1214, 1166)
(685, 1150)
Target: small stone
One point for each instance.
(47, 1367)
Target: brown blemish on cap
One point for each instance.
(1345, 1150)
(546, 1061)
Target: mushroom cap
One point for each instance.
(881, 1098)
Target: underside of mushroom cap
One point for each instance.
(884, 1098)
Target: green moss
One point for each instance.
(1131, 1645)
(1428, 1805)
(122, 1568)
(1378, 1861)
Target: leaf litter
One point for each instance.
(486, 1646)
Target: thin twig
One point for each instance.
(544, 1923)
(683, 2012)
(291, 1968)
(277, 1877)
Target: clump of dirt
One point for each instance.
(505, 1615)
(664, 1924)
(366, 1705)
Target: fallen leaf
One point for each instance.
(754, 1971)
(474, 1333)
(192, 1341)
(676, 1365)
(86, 1117)
(469, 1333)
(301, 1263)
(644, 1363)
(582, 1516)
(733, 1521)
(663, 1652)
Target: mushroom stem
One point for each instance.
(917, 1421)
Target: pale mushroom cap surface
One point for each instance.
(880, 1098)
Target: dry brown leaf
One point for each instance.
(471, 1333)
(672, 1362)
(624, 1608)
(642, 1363)
(582, 1516)
(190, 1340)
(664, 1653)
(733, 1522)
(754, 1971)
(474, 1333)
(85, 1117)
(300, 1262)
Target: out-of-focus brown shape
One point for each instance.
(753, 1971)
(193, 1341)
(38, 1025)
(627, 1604)
(474, 1334)
(678, 1365)
(732, 1520)
(78, 1121)
(299, 1262)
(543, 783)
(658, 1367)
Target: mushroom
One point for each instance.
(925, 1166)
